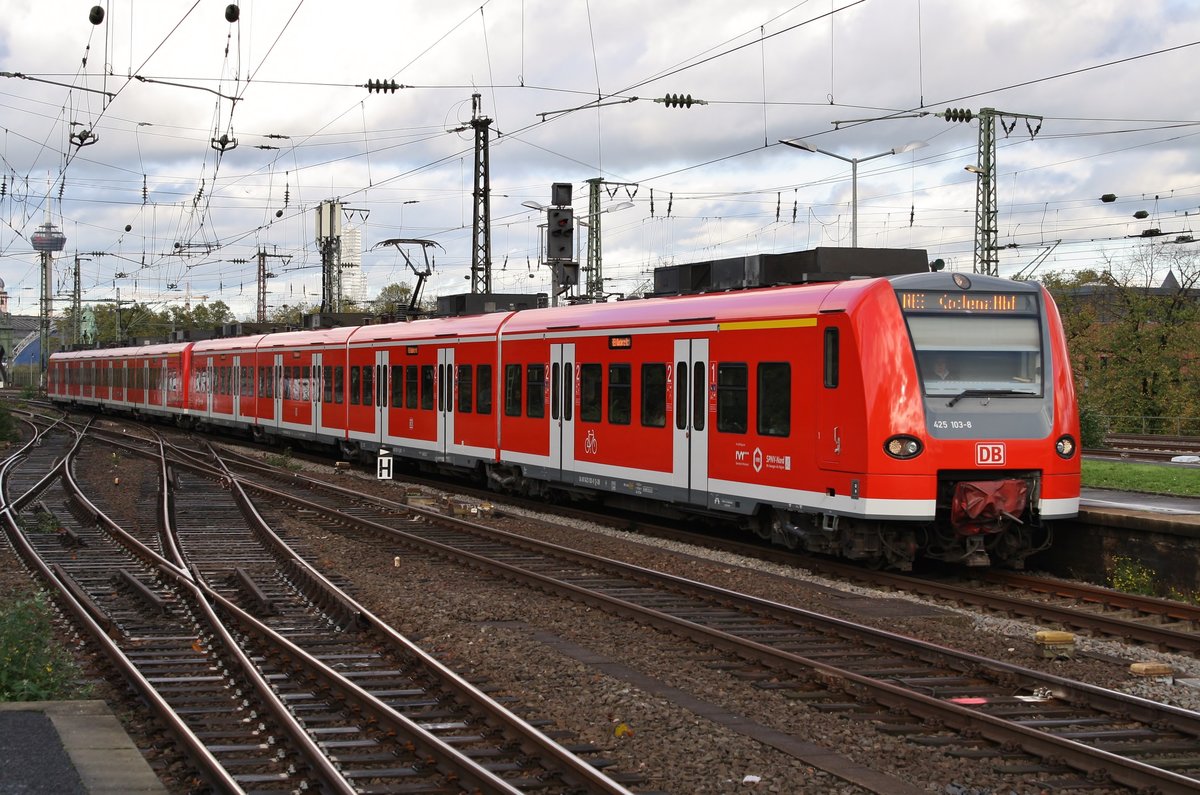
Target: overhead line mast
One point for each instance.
(987, 244)
(481, 226)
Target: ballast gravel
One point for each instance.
(595, 679)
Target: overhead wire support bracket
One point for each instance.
(597, 104)
(22, 76)
(185, 85)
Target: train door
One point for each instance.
(318, 389)
(691, 403)
(237, 387)
(445, 403)
(381, 395)
(562, 408)
(275, 373)
(208, 386)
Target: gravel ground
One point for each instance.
(610, 684)
(513, 639)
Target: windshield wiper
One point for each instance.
(988, 393)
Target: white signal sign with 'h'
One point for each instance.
(383, 467)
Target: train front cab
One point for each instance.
(971, 426)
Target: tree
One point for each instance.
(289, 315)
(1133, 336)
(135, 322)
(392, 299)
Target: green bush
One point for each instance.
(33, 667)
(1092, 427)
(1130, 576)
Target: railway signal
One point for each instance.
(560, 234)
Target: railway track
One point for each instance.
(1162, 624)
(936, 697)
(1145, 447)
(1056, 706)
(268, 675)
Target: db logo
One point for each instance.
(989, 454)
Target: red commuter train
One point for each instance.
(885, 419)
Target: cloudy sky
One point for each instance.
(113, 131)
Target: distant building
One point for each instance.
(1107, 300)
(354, 280)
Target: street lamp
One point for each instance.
(854, 161)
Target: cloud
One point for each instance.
(856, 78)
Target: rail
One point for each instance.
(1133, 423)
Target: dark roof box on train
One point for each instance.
(794, 267)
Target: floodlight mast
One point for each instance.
(854, 161)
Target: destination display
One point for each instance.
(946, 301)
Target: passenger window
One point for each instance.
(512, 390)
(397, 386)
(368, 385)
(410, 386)
(832, 355)
(339, 384)
(466, 388)
(535, 397)
(590, 392)
(483, 396)
(328, 384)
(427, 386)
(774, 398)
(620, 406)
(731, 398)
(355, 384)
(654, 395)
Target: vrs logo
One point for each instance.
(989, 454)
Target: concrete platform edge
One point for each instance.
(105, 758)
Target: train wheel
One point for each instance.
(761, 524)
(783, 532)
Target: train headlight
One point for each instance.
(902, 447)
(1065, 447)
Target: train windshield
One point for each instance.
(977, 353)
